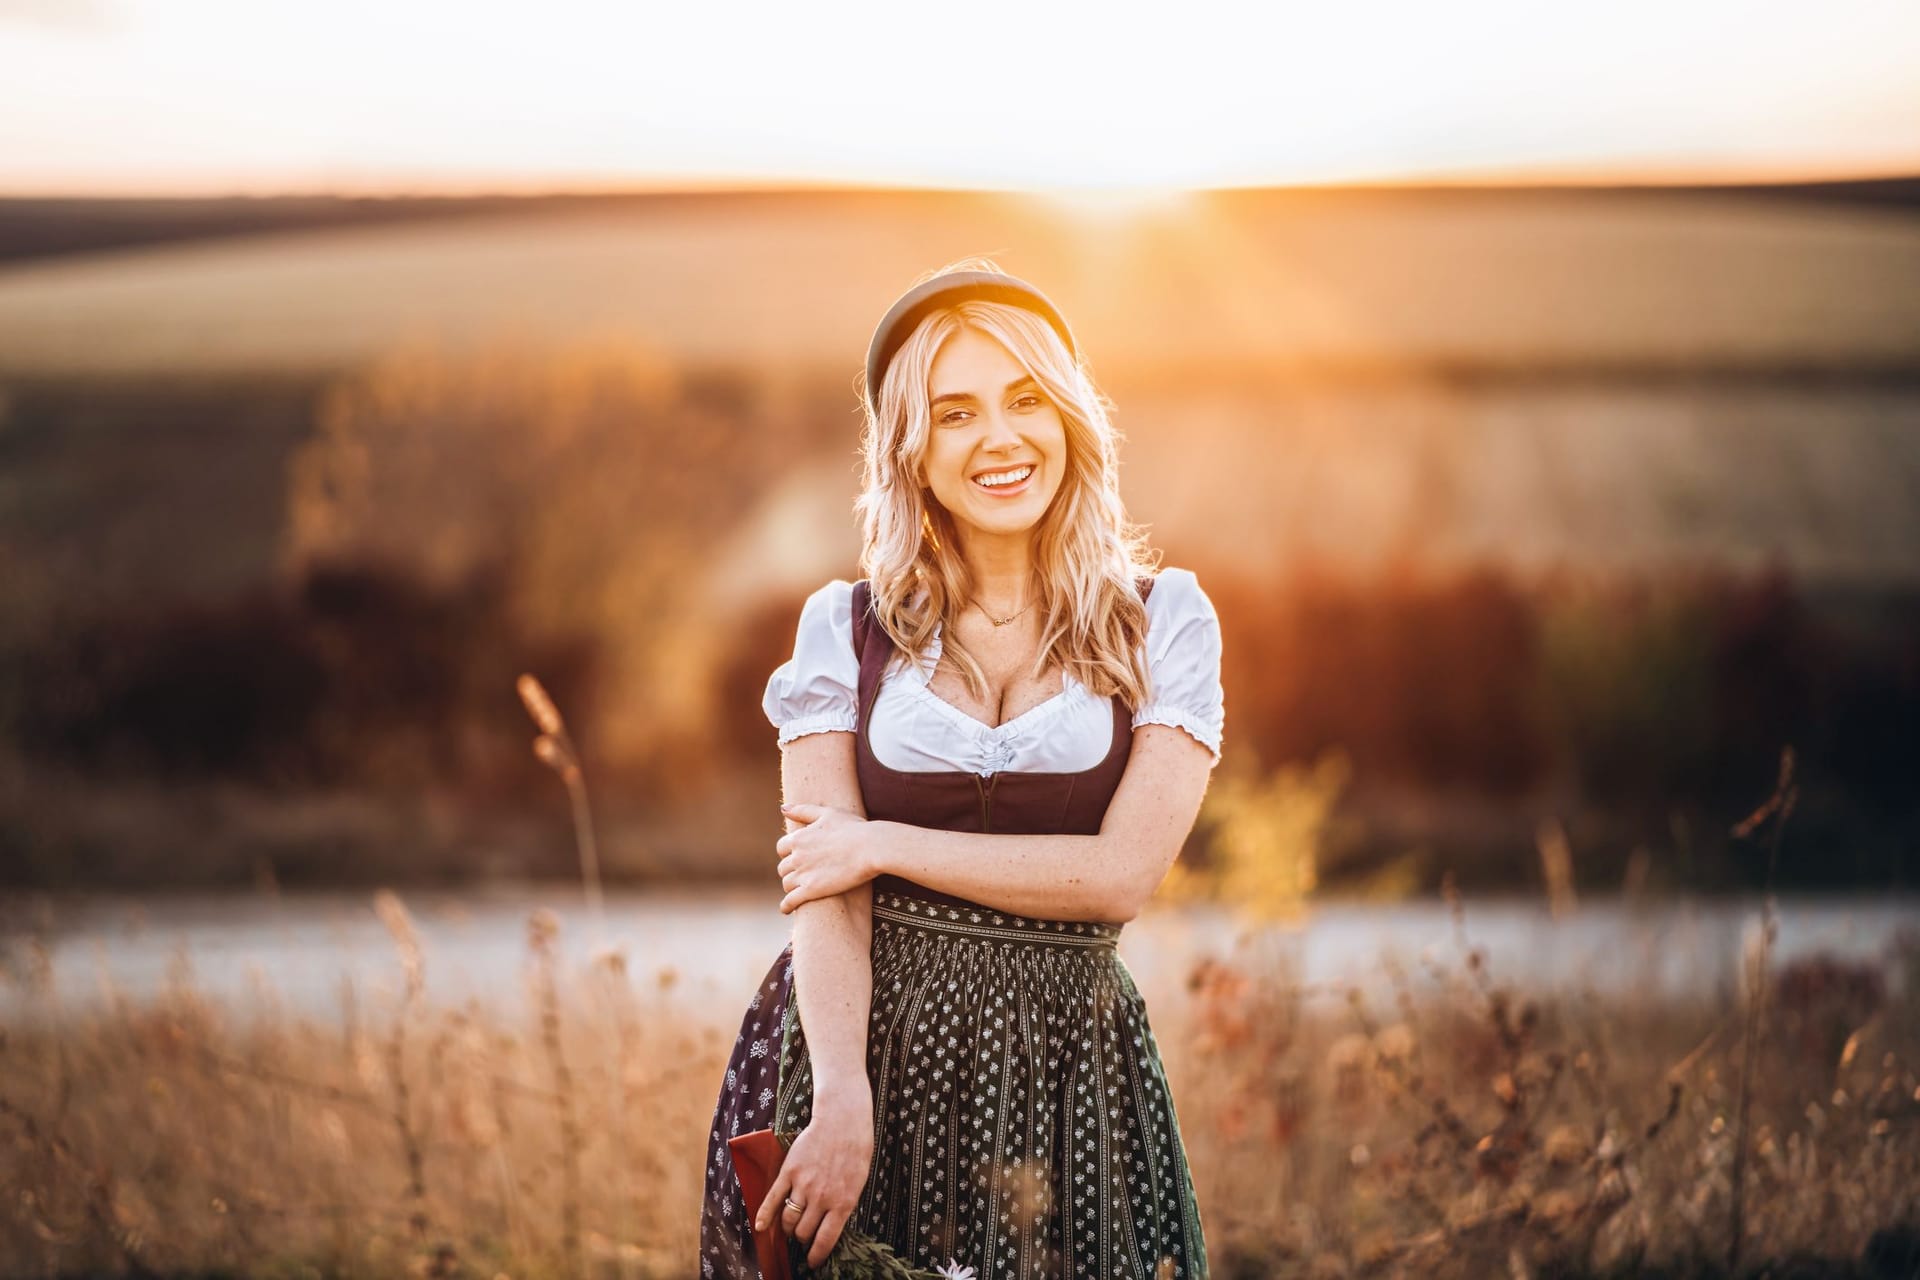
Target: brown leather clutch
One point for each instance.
(756, 1163)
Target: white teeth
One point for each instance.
(1004, 477)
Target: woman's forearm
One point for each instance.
(833, 936)
(833, 985)
(1109, 876)
(1050, 877)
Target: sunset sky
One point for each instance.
(211, 96)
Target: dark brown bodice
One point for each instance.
(1011, 801)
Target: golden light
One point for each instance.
(1110, 205)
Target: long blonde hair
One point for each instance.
(1086, 551)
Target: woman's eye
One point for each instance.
(1029, 398)
(948, 418)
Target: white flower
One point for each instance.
(954, 1270)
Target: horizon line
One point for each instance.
(526, 187)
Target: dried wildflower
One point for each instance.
(1557, 1205)
(539, 705)
(1374, 1248)
(554, 748)
(542, 928)
(860, 1257)
(1565, 1146)
(1395, 1043)
(399, 925)
(1348, 1051)
(547, 750)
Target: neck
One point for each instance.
(1001, 569)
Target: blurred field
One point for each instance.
(1528, 505)
(1457, 1127)
(1228, 283)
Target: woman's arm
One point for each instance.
(1109, 876)
(833, 937)
(833, 985)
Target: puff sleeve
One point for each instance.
(1183, 660)
(815, 690)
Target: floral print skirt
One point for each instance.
(1022, 1121)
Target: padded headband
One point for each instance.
(943, 291)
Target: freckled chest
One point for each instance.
(1005, 654)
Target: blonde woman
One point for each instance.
(993, 747)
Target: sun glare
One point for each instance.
(1116, 204)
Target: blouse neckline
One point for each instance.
(922, 673)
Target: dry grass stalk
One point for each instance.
(542, 932)
(1556, 867)
(1773, 814)
(394, 916)
(554, 748)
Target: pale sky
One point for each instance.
(212, 96)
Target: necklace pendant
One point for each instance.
(1001, 622)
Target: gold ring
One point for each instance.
(797, 1208)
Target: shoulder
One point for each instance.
(1177, 601)
(829, 608)
(814, 690)
(837, 593)
(1183, 660)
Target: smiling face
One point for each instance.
(996, 446)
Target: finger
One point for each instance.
(785, 865)
(784, 844)
(802, 812)
(782, 1184)
(809, 1225)
(790, 881)
(832, 1223)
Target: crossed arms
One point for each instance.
(1108, 876)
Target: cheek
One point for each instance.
(934, 465)
(1054, 436)
(1055, 444)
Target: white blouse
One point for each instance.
(913, 729)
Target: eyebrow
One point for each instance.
(964, 395)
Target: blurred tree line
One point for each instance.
(448, 522)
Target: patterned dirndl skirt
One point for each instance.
(1022, 1120)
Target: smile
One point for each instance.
(1005, 483)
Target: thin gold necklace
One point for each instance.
(1000, 622)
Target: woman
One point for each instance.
(993, 748)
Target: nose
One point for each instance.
(998, 434)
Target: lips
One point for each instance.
(1024, 471)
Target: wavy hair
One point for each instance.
(1087, 553)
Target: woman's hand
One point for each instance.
(831, 852)
(824, 1171)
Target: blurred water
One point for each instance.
(701, 951)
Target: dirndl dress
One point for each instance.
(1022, 1121)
